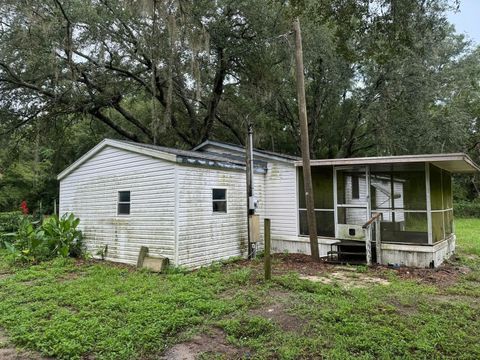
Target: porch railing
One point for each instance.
(374, 221)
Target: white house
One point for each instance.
(191, 206)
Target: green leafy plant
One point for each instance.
(62, 235)
(56, 237)
(28, 242)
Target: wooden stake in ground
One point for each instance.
(267, 259)
(302, 115)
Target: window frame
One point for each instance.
(129, 203)
(220, 200)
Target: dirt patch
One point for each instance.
(404, 309)
(4, 276)
(276, 312)
(300, 263)
(347, 279)
(443, 276)
(85, 262)
(213, 343)
(9, 352)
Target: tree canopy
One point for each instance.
(382, 77)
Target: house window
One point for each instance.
(219, 200)
(355, 187)
(123, 203)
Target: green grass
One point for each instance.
(74, 310)
(468, 233)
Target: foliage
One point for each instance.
(382, 78)
(467, 209)
(72, 310)
(63, 237)
(34, 242)
(9, 223)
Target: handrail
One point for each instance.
(376, 219)
(372, 220)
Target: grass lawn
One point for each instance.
(70, 309)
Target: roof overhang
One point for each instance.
(454, 163)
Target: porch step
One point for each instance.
(346, 253)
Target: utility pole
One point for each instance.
(302, 115)
(250, 187)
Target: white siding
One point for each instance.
(356, 216)
(281, 200)
(205, 236)
(91, 192)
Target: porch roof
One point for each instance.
(454, 163)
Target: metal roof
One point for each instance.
(187, 157)
(188, 153)
(261, 153)
(455, 163)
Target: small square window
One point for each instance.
(219, 200)
(123, 207)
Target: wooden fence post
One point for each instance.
(268, 263)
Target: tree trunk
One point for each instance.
(302, 115)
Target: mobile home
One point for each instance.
(191, 206)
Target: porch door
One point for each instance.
(352, 202)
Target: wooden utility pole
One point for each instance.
(302, 115)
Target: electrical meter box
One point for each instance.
(252, 203)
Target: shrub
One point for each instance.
(34, 242)
(467, 209)
(62, 235)
(9, 223)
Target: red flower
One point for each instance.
(24, 207)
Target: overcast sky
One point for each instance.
(467, 20)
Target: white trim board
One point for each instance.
(455, 163)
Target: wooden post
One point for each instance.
(368, 245)
(141, 256)
(302, 115)
(249, 175)
(267, 239)
(378, 240)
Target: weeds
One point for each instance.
(72, 310)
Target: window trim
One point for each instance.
(220, 200)
(124, 202)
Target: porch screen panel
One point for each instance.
(447, 190)
(399, 193)
(325, 223)
(441, 202)
(448, 221)
(322, 182)
(436, 188)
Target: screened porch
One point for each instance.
(413, 194)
